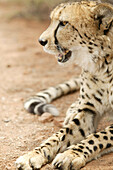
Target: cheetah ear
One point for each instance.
(104, 16)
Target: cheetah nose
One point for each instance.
(42, 42)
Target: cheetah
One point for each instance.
(80, 32)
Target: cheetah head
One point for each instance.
(78, 31)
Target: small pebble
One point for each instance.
(6, 120)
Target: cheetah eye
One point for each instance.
(63, 23)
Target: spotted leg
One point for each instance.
(76, 156)
(72, 133)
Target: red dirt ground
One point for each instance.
(24, 70)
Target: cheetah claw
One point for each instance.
(68, 161)
(32, 160)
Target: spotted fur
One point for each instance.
(80, 32)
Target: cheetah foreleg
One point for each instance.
(70, 134)
(76, 156)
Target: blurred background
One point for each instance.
(38, 9)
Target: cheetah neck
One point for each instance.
(96, 62)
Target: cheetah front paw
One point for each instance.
(30, 161)
(68, 160)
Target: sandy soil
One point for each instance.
(24, 70)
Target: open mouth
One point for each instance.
(65, 56)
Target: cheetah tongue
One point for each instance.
(64, 57)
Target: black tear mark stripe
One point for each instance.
(56, 41)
